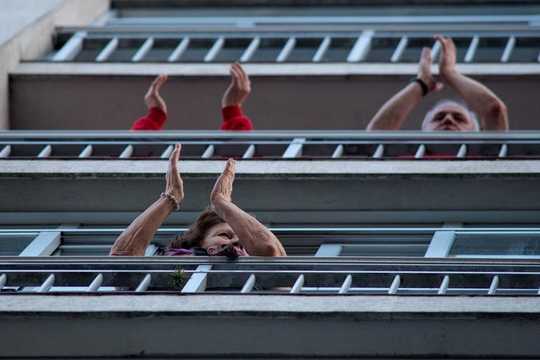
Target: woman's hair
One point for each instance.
(194, 236)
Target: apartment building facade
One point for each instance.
(401, 244)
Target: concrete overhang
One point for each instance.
(324, 191)
(248, 326)
(285, 96)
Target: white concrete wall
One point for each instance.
(26, 32)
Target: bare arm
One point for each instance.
(253, 235)
(134, 240)
(396, 110)
(153, 98)
(239, 88)
(491, 110)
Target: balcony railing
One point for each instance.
(297, 275)
(307, 145)
(354, 43)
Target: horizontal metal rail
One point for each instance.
(352, 276)
(311, 19)
(479, 230)
(170, 135)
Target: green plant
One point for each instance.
(178, 278)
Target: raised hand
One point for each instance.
(447, 62)
(222, 191)
(174, 184)
(152, 97)
(239, 88)
(424, 71)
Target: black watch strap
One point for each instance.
(422, 84)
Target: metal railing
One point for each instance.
(359, 44)
(214, 145)
(432, 241)
(353, 276)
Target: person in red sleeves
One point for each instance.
(233, 117)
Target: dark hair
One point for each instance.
(194, 236)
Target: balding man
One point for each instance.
(481, 109)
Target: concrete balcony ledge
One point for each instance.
(263, 70)
(328, 186)
(268, 169)
(213, 304)
(224, 326)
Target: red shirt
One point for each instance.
(233, 119)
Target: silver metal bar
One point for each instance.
(253, 46)
(248, 286)
(400, 48)
(167, 152)
(435, 51)
(44, 244)
(494, 285)
(328, 230)
(87, 151)
(5, 152)
(444, 285)
(47, 284)
(297, 287)
(442, 242)
(329, 250)
(504, 151)
(182, 46)
(197, 281)
(45, 152)
(346, 285)
(379, 152)
(150, 250)
(471, 51)
(127, 152)
(108, 50)
(145, 283)
(294, 149)
(173, 136)
(306, 19)
(71, 48)
(96, 284)
(395, 285)
(249, 152)
(325, 44)
(462, 152)
(338, 152)
(209, 152)
(215, 49)
(508, 49)
(361, 47)
(420, 152)
(3, 280)
(143, 50)
(286, 51)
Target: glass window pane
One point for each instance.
(496, 244)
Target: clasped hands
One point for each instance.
(222, 191)
(447, 64)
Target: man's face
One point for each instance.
(449, 117)
(221, 236)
